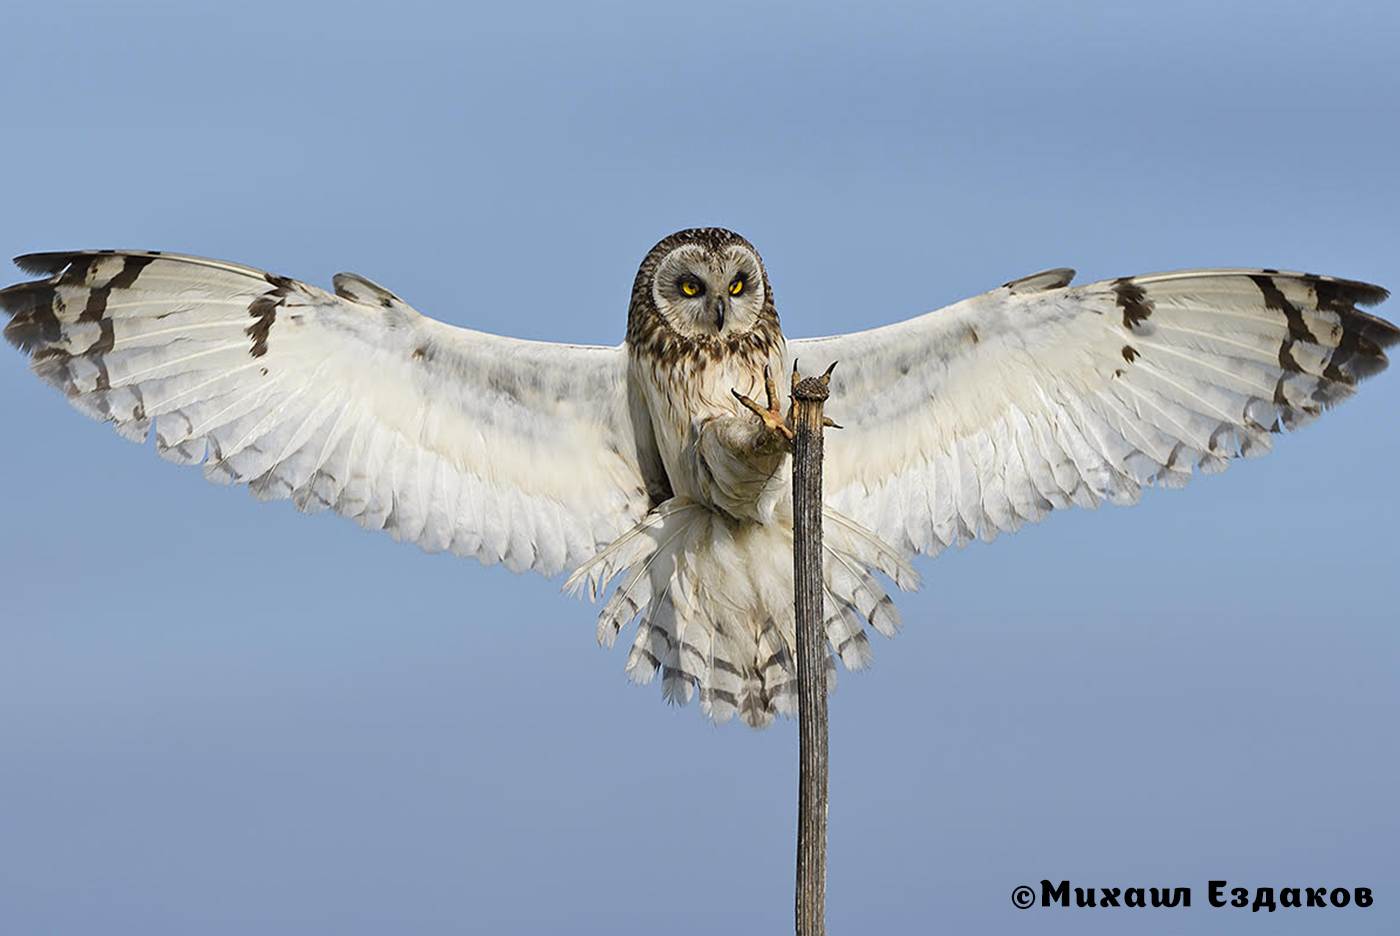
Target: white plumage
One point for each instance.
(441, 436)
(981, 417)
(963, 423)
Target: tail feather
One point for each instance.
(714, 602)
(653, 642)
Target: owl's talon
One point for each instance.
(772, 414)
(772, 418)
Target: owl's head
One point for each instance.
(704, 284)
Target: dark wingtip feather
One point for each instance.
(1343, 296)
(48, 263)
(1377, 329)
(33, 323)
(1333, 291)
(1364, 294)
(24, 297)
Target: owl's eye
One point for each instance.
(690, 286)
(736, 287)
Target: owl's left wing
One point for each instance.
(988, 414)
(528, 453)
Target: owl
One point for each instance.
(651, 465)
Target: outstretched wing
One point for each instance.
(522, 452)
(988, 414)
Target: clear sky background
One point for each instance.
(218, 717)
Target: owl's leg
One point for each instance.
(772, 415)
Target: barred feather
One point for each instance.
(509, 451)
(714, 600)
(1040, 395)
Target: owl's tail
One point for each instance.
(714, 601)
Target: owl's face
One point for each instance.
(703, 289)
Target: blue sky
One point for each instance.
(221, 717)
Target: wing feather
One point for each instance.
(989, 414)
(512, 451)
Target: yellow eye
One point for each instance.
(690, 287)
(736, 287)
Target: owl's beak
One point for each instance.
(719, 313)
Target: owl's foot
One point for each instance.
(772, 415)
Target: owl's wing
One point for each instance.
(521, 452)
(988, 414)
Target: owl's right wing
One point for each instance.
(523, 452)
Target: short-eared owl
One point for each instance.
(639, 462)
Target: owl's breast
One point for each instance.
(689, 397)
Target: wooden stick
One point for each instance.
(808, 397)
